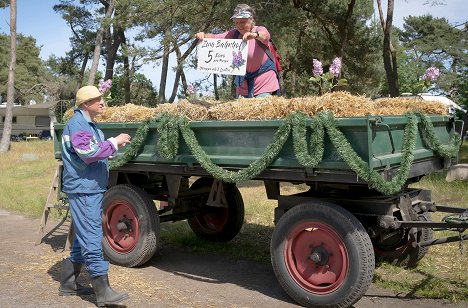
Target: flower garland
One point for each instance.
(169, 126)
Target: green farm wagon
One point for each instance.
(358, 207)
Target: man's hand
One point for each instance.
(123, 139)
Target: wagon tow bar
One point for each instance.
(460, 219)
(456, 221)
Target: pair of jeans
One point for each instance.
(86, 211)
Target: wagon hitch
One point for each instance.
(457, 221)
(444, 240)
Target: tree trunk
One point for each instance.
(97, 46)
(112, 48)
(5, 143)
(183, 79)
(346, 28)
(164, 67)
(180, 69)
(215, 86)
(389, 52)
(126, 79)
(82, 69)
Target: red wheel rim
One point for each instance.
(121, 226)
(214, 222)
(316, 257)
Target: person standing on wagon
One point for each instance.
(261, 79)
(85, 155)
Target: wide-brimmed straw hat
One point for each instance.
(86, 93)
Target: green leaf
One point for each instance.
(328, 76)
(342, 82)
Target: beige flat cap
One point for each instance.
(86, 94)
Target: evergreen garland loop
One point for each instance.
(132, 149)
(434, 143)
(168, 134)
(254, 169)
(299, 131)
(169, 126)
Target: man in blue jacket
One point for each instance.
(85, 155)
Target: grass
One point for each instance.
(27, 171)
(28, 168)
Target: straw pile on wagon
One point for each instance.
(341, 104)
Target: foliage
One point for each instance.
(430, 41)
(29, 69)
(142, 91)
(83, 23)
(315, 32)
(461, 86)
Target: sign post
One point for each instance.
(222, 56)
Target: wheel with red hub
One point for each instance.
(131, 225)
(322, 255)
(217, 224)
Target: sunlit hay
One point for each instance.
(401, 105)
(341, 104)
(126, 113)
(68, 114)
(273, 107)
(194, 112)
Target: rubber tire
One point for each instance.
(405, 255)
(148, 220)
(235, 214)
(360, 256)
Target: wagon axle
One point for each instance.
(320, 255)
(125, 225)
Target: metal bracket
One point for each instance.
(217, 197)
(173, 185)
(272, 189)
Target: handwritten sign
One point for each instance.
(222, 56)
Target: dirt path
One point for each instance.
(175, 277)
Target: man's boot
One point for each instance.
(68, 276)
(104, 293)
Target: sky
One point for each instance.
(37, 19)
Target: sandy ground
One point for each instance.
(174, 277)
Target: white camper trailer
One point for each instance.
(29, 120)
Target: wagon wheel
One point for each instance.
(131, 225)
(399, 250)
(218, 224)
(322, 255)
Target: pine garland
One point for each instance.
(299, 130)
(168, 134)
(133, 148)
(169, 126)
(434, 143)
(253, 169)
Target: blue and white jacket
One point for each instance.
(85, 155)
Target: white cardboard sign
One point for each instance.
(222, 56)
